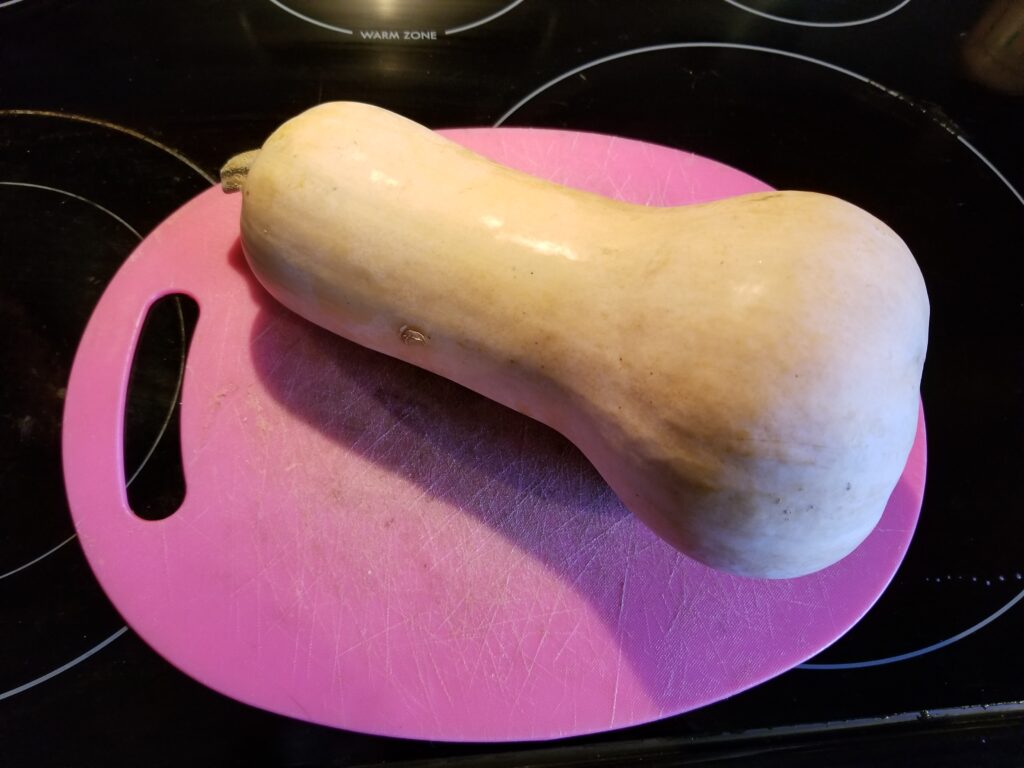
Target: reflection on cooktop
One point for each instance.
(397, 19)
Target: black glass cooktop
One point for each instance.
(113, 114)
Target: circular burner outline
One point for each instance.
(8, 2)
(63, 667)
(94, 204)
(114, 127)
(484, 20)
(163, 427)
(818, 24)
(204, 175)
(181, 370)
(835, 67)
(920, 651)
(38, 558)
(678, 46)
(137, 135)
(346, 31)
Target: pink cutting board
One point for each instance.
(366, 546)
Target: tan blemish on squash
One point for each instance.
(410, 335)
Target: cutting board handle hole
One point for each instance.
(154, 476)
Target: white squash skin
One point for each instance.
(744, 374)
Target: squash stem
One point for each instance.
(234, 171)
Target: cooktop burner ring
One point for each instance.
(919, 651)
(138, 236)
(100, 123)
(38, 558)
(63, 667)
(53, 166)
(80, 198)
(744, 6)
(629, 52)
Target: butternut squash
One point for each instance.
(744, 374)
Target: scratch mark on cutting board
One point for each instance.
(568, 639)
(388, 587)
(487, 626)
(312, 635)
(365, 640)
(620, 631)
(827, 600)
(295, 653)
(377, 439)
(166, 558)
(336, 662)
(440, 678)
(570, 521)
(425, 691)
(454, 609)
